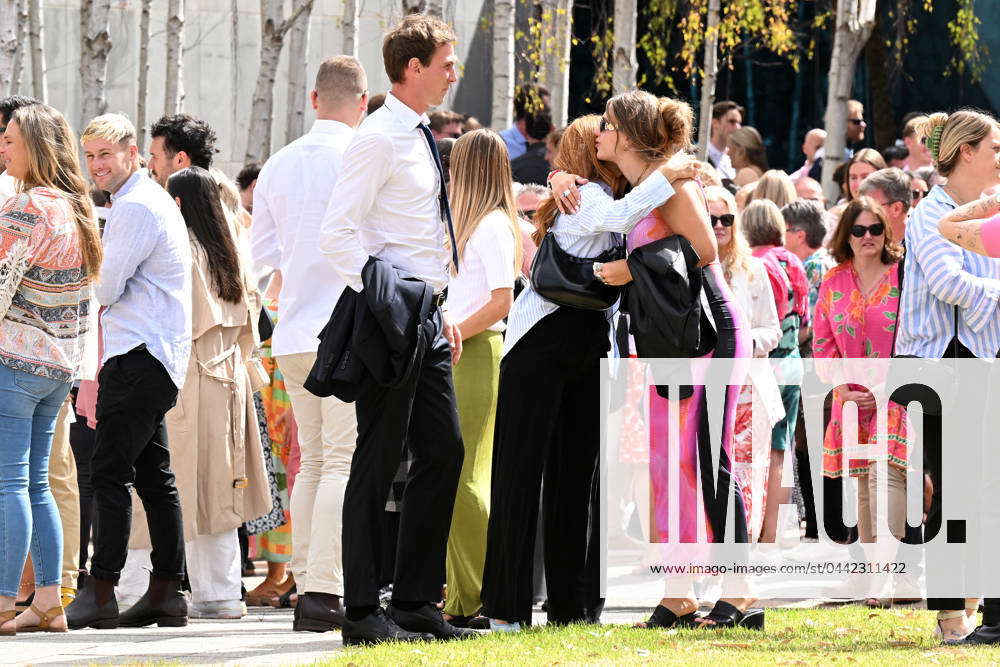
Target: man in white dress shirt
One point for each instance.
(289, 201)
(727, 117)
(390, 203)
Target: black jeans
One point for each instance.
(81, 440)
(422, 413)
(131, 449)
(548, 425)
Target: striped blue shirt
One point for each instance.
(939, 275)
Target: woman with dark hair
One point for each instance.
(219, 463)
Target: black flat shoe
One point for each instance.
(664, 618)
(428, 619)
(377, 628)
(476, 622)
(725, 615)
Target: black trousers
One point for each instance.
(422, 413)
(548, 424)
(82, 439)
(131, 449)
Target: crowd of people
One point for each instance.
(358, 363)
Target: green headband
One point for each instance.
(934, 142)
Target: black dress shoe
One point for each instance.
(163, 603)
(318, 612)
(983, 635)
(376, 628)
(428, 619)
(95, 606)
(477, 622)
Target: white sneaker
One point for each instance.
(220, 609)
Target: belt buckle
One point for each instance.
(241, 483)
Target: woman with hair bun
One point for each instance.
(949, 304)
(749, 157)
(639, 132)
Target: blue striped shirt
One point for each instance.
(939, 275)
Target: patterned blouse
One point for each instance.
(44, 291)
(849, 325)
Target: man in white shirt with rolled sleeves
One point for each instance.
(390, 203)
(289, 202)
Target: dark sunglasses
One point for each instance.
(727, 219)
(856, 121)
(876, 230)
(917, 194)
(606, 126)
(528, 214)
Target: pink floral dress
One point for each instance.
(849, 325)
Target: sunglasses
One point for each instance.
(856, 121)
(917, 194)
(527, 214)
(727, 219)
(876, 230)
(605, 126)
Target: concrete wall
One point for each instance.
(218, 87)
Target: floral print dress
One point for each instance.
(850, 325)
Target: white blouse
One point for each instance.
(752, 290)
(487, 264)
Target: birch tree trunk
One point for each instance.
(708, 84)
(140, 105)
(273, 30)
(95, 45)
(625, 64)
(174, 98)
(503, 64)
(8, 45)
(557, 21)
(855, 21)
(298, 52)
(17, 75)
(234, 51)
(349, 26)
(414, 7)
(36, 41)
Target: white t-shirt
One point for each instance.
(487, 264)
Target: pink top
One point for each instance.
(849, 325)
(991, 236)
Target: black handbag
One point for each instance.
(566, 280)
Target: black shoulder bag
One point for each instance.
(566, 280)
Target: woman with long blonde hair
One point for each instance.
(50, 252)
(548, 408)
(480, 295)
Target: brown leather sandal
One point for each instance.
(45, 619)
(4, 617)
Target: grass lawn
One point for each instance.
(848, 634)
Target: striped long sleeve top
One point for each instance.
(938, 276)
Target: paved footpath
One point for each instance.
(264, 637)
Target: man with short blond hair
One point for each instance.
(289, 201)
(145, 290)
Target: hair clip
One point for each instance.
(934, 141)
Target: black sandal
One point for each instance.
(285, 599)
(725, 615)
(664, 618)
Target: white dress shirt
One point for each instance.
(291, 197)
(588, 233)
(385, 203)
(145, 281)
(486, 265)
(720, 158)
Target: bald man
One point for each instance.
(815, 138)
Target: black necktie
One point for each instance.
(443, 195)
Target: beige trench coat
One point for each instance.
(215, 446)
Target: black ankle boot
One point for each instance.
(95, 606)
(162, 603)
